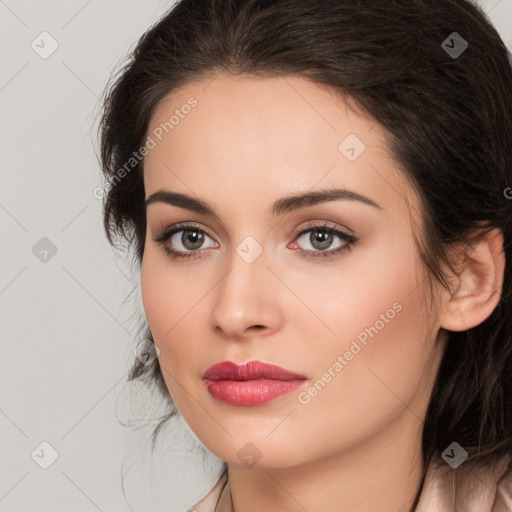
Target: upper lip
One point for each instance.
(253, 370)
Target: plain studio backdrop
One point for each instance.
(67, 333)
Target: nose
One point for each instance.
(245, 300)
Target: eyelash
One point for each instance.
(349, 240)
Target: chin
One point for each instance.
(260, 455)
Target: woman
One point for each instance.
(318, 193)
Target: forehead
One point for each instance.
(251, 136)
(259, 109)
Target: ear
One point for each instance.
(478, 284)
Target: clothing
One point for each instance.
(485, 491)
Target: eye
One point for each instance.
(321, 238)
(187, 238)
(186, 241)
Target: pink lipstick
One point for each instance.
(253, 383)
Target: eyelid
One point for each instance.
(297, 231)
(186, 225)
(318, 224)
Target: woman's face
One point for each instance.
(271, 284)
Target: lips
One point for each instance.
(250, 384)
(253, 370)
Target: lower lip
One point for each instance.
(251, 392)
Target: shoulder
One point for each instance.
(209, 502)
(486, 489)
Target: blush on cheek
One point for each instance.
(396, 359)
(386, 322)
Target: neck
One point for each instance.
(385, 473)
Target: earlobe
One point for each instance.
(479, 284)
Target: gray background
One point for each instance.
(67, 333)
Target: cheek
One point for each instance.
(161, 301)
(153, 290)
(165, 293)
(374, 293)
(163, 297)
(373, 364)
(172, 305)
(371, 306)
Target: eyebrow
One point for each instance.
(280, 207)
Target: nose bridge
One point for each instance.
(243, 298)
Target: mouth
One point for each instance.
(250, 384)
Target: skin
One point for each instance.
(356, 445)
